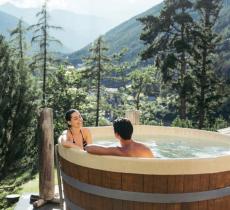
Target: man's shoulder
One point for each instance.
(143, 147)
(138, 143)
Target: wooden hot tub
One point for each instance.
(121, 183)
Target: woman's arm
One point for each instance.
(63, 139)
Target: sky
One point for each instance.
(114, 10)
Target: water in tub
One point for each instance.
(176, 147)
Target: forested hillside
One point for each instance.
(127, 35)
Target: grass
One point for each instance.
(33, 184)
(19, 186)
(30, 186)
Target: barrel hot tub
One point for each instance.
(123, 183)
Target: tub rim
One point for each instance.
(175, 166)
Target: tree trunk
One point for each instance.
(182, 91)
(98, 98)
(183, 74)
(202, 90)
(20, 40)
(45, 62)
(182, 107)
(98, 84)
(138, 95)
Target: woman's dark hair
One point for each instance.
(124, 128)
(68, 115)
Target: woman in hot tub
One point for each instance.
(76, 136)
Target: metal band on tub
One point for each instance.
(146, 197)
(72, 205)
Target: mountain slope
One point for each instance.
(7, 22)
(78, 30)
(127, 34)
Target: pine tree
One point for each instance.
(96, 68)
(43, 39)
(18, 39)
(168, 41)
(18, 106)
(120, 69)
(205, 43)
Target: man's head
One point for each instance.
(124, 128)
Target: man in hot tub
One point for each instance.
(123, 131)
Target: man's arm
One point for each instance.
(101, 150)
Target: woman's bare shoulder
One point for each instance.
(63, 136)
(64, 132)
(86, 130)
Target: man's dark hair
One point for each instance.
(124, 128)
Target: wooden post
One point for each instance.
(46, 158)
(133, 116)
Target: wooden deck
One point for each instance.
(24, 203)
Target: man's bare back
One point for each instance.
(123, 130)
(136, 149)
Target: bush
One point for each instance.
(182, 123)
(219, 123)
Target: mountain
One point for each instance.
(9, 22)
(126, 35)
(78, 30)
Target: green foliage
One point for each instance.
(182, 123)
(141, 79)
(96, 68)
(207, 82)
(160, 111)
(12, 183)
(66, 90)
(220, 123)
(104, 122)
(168, 37)
(127, 35)
(18, 111)
(184, 49)
(119, 70)
(18, 116)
